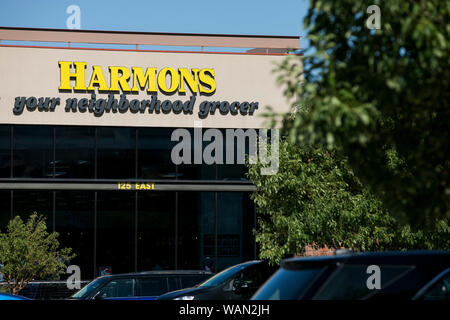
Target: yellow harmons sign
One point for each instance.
(151, 79)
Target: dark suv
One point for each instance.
(376, 275)
(140, 286)
(238, 282)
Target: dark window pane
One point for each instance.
(234, 170)
(115, 230)
(153, 286)
(154, 150)
(235, 224)
(5, 151)
(118, 288)
(74, 152)
(116, 153)
(25, 202)
(74, 221)
(5, 209)
(33, 152)
(228, 170)
(196, 220)
(288, 284)
(193, 171)
(156, 230)
(197, 172)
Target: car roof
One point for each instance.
(58, 282)
(161, 273)
(409, 256)
(179, 272)
(247, 263)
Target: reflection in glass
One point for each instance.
(235, 228)
(25, 202)
(118, 288)
(5, 151)
(74, 152)
(156, 230)
(74, 221)
(196, 222)
(196, 171)
(5, 209)
(115, 230)
(116, 233)
(116, 153)
(154, 150)
(33, 152)
(234, 170)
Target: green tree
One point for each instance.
(381, 98)
(315, 199)
(28, 251)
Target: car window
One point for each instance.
(223, 276)
(91, 287)
(255, 275)
(440, 290)
(153, 286)
(349, 282)
(118, 288)
(287, 284)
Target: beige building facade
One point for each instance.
(86, 140)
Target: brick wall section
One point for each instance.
(325, 251)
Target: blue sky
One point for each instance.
(262, 17)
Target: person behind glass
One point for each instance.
(208, 264)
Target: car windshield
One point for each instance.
(223, 276)
(87, 290)
(287, 284)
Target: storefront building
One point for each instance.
(86, 139)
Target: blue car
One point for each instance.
(7, 296)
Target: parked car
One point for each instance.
(140, 286)
(361, 276)
(238, 282)
(7, 296)
(49, 290)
